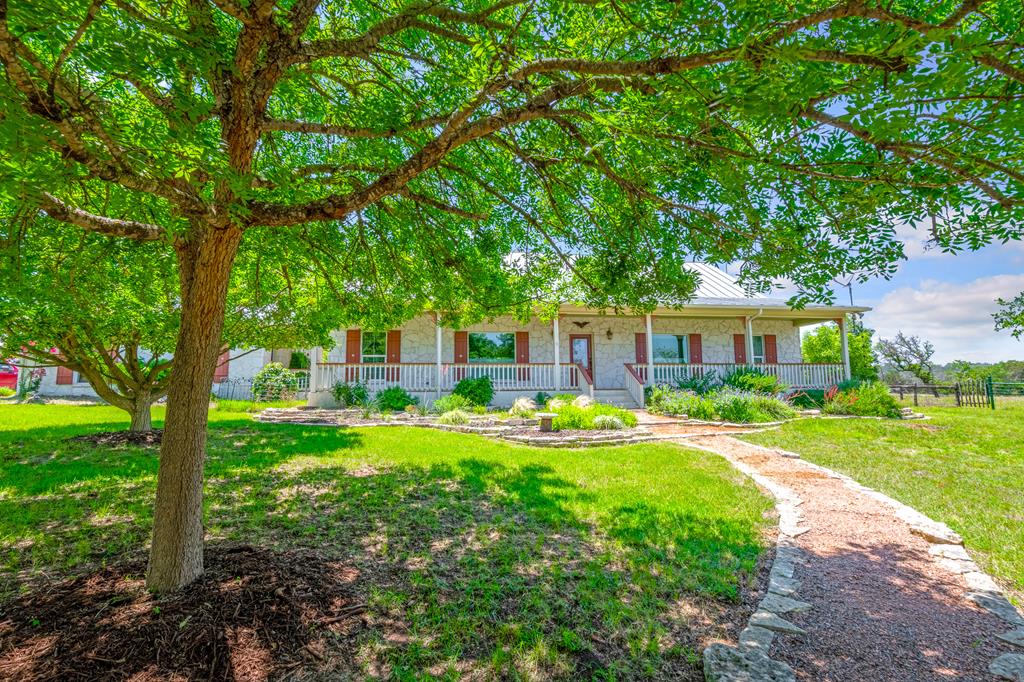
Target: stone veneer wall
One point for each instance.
(610, 354)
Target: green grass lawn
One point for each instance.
(507, 559)
(964, 466)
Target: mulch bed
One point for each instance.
(113, 439)
(254, 615)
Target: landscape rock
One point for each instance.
(1006, 667)
(776, 603)
(936, 532)
(757, 638)
(771, 621)
(997, 604)
(1013, 637)
(724, 663)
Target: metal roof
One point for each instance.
(715, 283)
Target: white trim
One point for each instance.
(557, 356)
(844, 347)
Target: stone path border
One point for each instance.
(749, 661)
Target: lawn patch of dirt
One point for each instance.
(254, 615)
(115, 439)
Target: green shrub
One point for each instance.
(868, 399)
(608, 422)
(351, 395)
(274, 382)
(541, 398)
(450, 402)
(742, 407)
(454, 418)
(479, 391)
(582, 418)
(701, 385)
(753, 380)
(6, 392)
(298, 360)
(522, 407)
(479, 409)
(394, 399)
(675, 402)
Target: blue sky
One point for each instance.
(947, 299)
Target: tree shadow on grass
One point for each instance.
(467, 568)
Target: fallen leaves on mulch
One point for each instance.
(113, 439)
(254, 615)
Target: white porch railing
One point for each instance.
(792, 374)
(376, 376)
(423, 377)
(533, 376)
(634, 385)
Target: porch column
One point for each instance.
(557, 357)
(748, 339)
(437, 343)
(314, 369)
(844, 347)
(650, 349)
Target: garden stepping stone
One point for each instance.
(1013, 637)
(754, 637)
(723, 663)
(1006, 667)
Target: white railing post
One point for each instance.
(437, 343)
(748, 341)
(314, 369)
(844, 347)
(650, 348)
(557, 357)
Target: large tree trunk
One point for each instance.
(142, 418)
(176, 554)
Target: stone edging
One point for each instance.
(749, 661)
(947, 545)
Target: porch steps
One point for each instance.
(615, 396)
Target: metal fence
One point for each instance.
(964, 393)
(241, 389)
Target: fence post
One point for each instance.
(990, 392)
(915, 395)
(956, 390)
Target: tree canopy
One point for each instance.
(909, 354)
(823, 345)
(404, 149)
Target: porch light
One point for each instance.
(608, 334)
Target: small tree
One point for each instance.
(909, 354)
(822, 345)
(109, 311)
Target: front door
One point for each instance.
(581, 352)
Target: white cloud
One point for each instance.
(956, 317)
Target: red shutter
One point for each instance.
(523, 354)
(461, 347)
(461, 353)
(353, 353)
(641, 349)
(696, 350)
(64, 376)
(393, 352)
(220, 372)
(771, 349)
(739, 348)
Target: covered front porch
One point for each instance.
(606, 356)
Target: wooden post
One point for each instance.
(915, 395)
(956, 393)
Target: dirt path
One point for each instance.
(884, 606)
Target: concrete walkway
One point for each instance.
(892, 594)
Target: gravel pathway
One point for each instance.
(884, 605)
